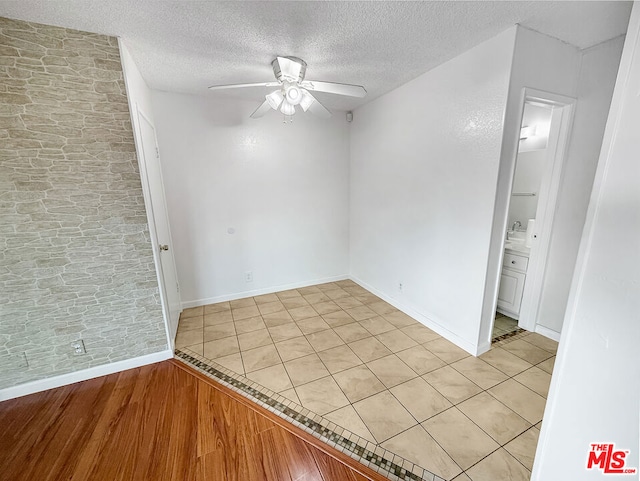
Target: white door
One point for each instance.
(151, 175)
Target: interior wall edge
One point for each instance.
(138, 92)
(540, 63)
(420, 251)
(82, 375)
(506, 169)
(598, 339)
(597, 76)
(427, 320)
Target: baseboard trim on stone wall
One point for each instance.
(82, 375)
(259, 292)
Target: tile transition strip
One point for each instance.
(508, 335)
(373, 456)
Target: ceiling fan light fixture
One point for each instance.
(275, 98)
(289, 69)
(287, 108)
(294, 90)
(294, 94)
(307, 100)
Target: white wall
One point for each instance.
(543, 63)
(597, 78)
(281, 188)
(424, 162)
(595, 389)
(138, 92)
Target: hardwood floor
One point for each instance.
(158, 422)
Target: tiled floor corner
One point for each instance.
(504, 324)
(504, 328)
(368, 379)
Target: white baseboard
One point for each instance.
(428, 321)
(482, 348)
(259, 292)
(83, 375)
(512, 315)
(546, 332)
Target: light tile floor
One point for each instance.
(343, 353)
(504, 325)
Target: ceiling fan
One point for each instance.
(293, 90)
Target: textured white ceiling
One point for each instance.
(185, 46)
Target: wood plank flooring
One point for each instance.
(158, 422)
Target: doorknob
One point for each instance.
(164, 247)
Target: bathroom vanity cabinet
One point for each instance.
(514, 275)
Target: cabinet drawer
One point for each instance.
(518, 263)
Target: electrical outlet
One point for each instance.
(78, 347)
(248, 276)
(400, 287)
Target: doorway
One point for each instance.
(153, 188)
(543, 137)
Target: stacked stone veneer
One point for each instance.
(75, 253)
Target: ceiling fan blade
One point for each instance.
(289, 69)
(239, 86)
(335, 88)
(260, 111)
(316, 108)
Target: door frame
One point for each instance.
(548, 200)
(146, 192)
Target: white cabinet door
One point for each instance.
(510, 293)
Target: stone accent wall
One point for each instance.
(75, 252)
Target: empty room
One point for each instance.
(319, 240)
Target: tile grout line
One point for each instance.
(503, 447)
(392, 353)
(500, 341)
(292, 415)
(387, 388)
(500, 445)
